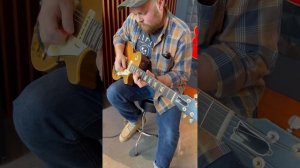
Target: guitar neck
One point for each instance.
(91, 31)
(214, 116)
(93, 37)
(154, 83)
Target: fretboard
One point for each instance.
(93, 36)
(213, 116)
(90, 30)
(154, 83)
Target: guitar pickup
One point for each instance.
(123, 73)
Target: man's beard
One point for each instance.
(149, 28)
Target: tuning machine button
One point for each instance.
(296, 149)
(258, 162)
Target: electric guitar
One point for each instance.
(79, 51)
(257, 142)
(134, 59)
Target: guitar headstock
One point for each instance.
(188, 106)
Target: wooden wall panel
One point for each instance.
(17, 19)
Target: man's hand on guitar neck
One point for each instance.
(56, 21)
(138, 81)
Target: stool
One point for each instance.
(146, 106)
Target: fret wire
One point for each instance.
(214, 114)
(95, 35)
(156, 85)
(98, 37)
(91, 31)
(234, 121)
(213, 126)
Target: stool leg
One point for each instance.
(141, 132)
(136, 145)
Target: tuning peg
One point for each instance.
(192, 114)
(296, 149)
(184, 116)
(191, 121)
(258, 162)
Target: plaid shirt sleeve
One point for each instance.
(239, 38)
(181, 70)
(124, 33)
(246, 48)
(177, 41)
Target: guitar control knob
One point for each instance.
(258, 162)
(273, 136)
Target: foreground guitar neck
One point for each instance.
(154, 83)
(185, 103)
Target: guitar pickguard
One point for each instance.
(73, 47)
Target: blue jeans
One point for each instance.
(59, 122)
(121, 96)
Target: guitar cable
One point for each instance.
(113, 136)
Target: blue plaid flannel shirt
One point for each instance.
(175, 39)
(239, 37)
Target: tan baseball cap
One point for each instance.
(131, 3)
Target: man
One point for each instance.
(60, 122)
(237, 48)
(166, 40)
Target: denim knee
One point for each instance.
(113, 92)
(35, 118)
(26, 116)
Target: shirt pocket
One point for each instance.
(165, 63)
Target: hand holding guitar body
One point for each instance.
(69, 32)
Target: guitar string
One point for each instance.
(245, 152)
(95, 43)
(273, 145)
(133, 68)
(236, 120)
(277, 144)
(239, 147)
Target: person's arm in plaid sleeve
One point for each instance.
(180, 73)
(244, 52)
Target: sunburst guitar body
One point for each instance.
(78, 53)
